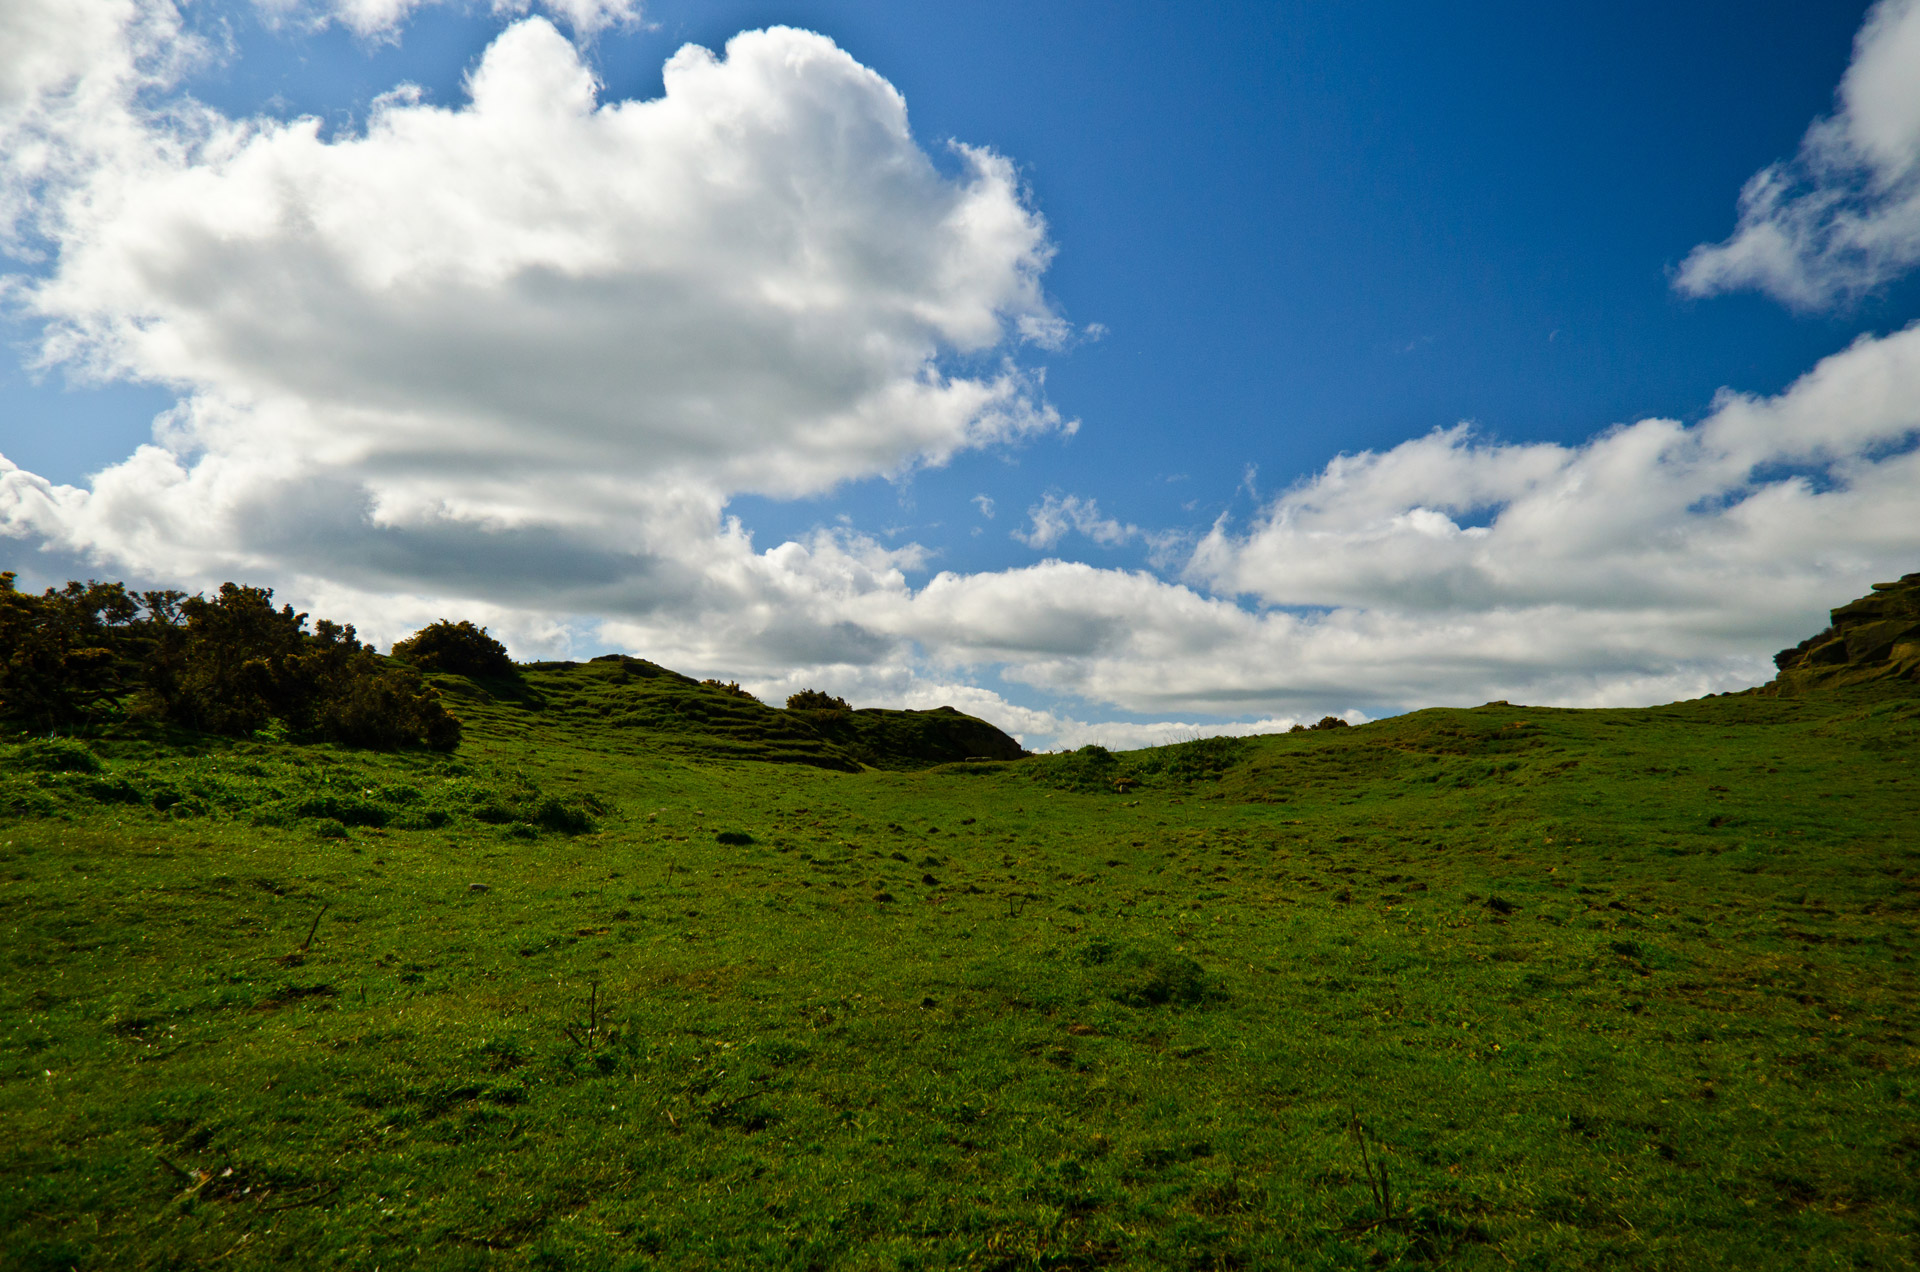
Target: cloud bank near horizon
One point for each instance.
(511, 359)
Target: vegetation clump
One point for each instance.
(1324, 722)
(1094, 768)
(232, 664)
(815, 700)
(70, 656)
(1144, 977)
(460, 648)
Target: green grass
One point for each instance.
(1601, 988)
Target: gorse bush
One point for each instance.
(387, 708)
(229, 664)
(69, 656)
(1149, 976)
(237, 664)
(815, 700)
(461, 648)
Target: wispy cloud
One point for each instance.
(1057, 515)
(1843, 216)
(383, 19)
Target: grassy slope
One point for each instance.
(632, 706)
(1605, 988)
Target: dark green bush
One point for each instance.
(230, 663)
(384, 707)
(71, 655)
(460, 648)
(566, 816)
(1147, 977)
(114, 790)
(815, 700)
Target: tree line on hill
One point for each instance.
(229, 663)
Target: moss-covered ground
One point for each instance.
(1490, 988)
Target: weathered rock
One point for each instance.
(1874, 638)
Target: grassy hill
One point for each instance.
(645, 976)
(631, 705)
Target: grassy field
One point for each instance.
(1490, 988)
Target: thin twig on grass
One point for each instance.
(308, 943)
(1377, 1182)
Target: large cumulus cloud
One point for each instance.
(581, 325)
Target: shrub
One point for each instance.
(385, 707)
(349, 810)
(731, 688)
(460, 648)
(565, 816)
(814, 700)
(1325, 722)
(237, 665)
(69, 655)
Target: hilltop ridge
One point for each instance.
(659, 708)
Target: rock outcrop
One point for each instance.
(1874, 638)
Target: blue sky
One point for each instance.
(1273, 235)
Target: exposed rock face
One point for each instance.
(1874, 638)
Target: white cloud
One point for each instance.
(1763, 496)
(1056, 515)
(70, 75)
(383, 19)
(537, 318)
(1653, 558)
(1843, 217)
(1656, 561)
(53, 43)
(985, 504)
